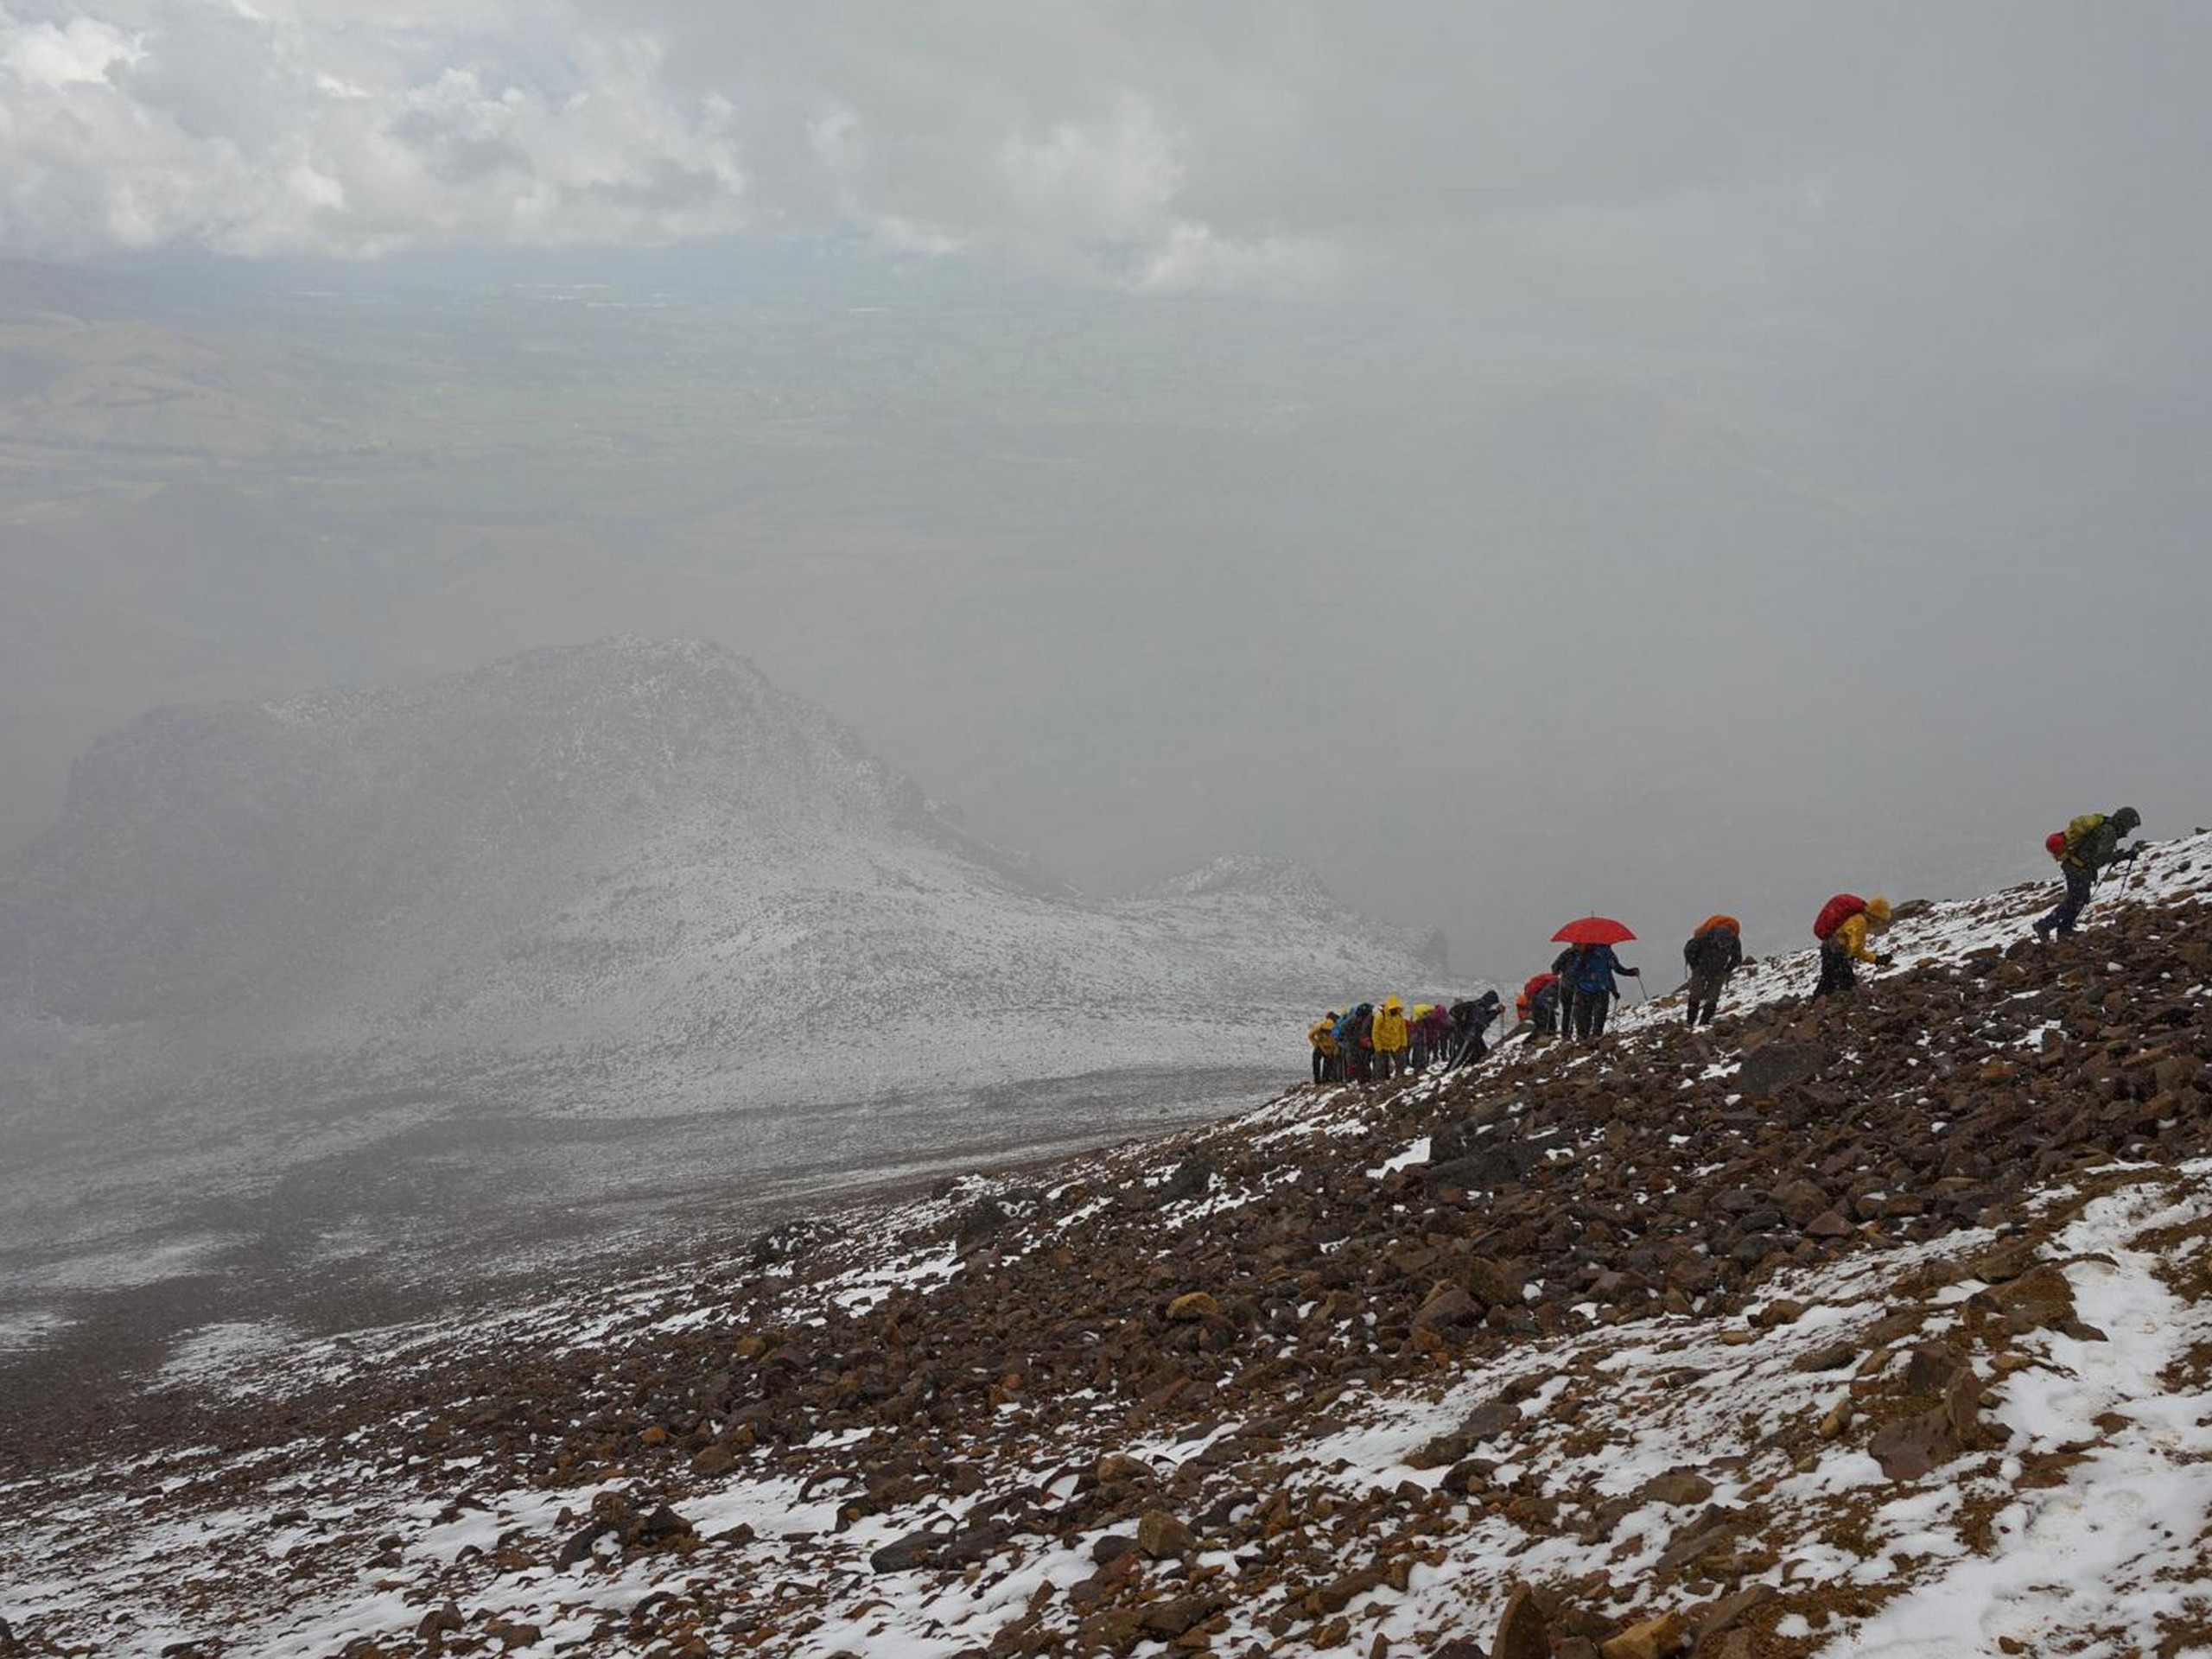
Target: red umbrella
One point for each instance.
(1593, 930)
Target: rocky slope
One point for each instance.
(1884, 1329)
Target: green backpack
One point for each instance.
(2080, 828)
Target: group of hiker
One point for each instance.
(1374, 1043)
(1571, 1000)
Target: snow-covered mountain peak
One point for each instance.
(631, 847)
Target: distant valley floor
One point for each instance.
(117, 1270)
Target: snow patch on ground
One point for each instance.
(209, 1355)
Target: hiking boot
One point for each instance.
(2043, 928)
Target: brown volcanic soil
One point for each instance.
(1239, 1289)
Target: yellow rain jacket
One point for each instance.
(1851, 933)
(1390, 1032)
(1323, 1035)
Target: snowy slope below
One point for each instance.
(1230, 1393)
(2090, 1520)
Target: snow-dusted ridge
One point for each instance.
(1969, 1417)
(615, 851)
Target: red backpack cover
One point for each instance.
(1835, 912)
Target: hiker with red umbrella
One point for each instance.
(1585, 970)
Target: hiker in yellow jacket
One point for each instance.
(1323, 1035)
(1844, 943)
(1391, 1036)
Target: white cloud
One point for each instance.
(283, 129)
(43, 56)
(1114, 182)
(1191, 258)
(311, 126)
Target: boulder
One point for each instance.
(1772, 1067)
(1677, 1486)
(1718, 1618)
(1522, 1632)
(2040, 1298)
(1492, 1165)
(1651, 1638)
(979, 1221)
(1494, 1284)
(1447, 1304)
(1160, 1535)
(439, 1622)
(1193, 1178)
(1930, 1367)
(1829, 1357)
(905, 1554)
(1169, 1619)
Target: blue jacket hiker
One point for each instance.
(1590, 973)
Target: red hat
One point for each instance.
(2055, 842)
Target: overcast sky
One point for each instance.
(1827, 504)
(2025, 173)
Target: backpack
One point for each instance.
(2080, 827)
(1592, 972)
(1707, 952)
(1834, 914)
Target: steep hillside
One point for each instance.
(634, 855)
(1881, 1329)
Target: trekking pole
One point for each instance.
(2125, 866)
